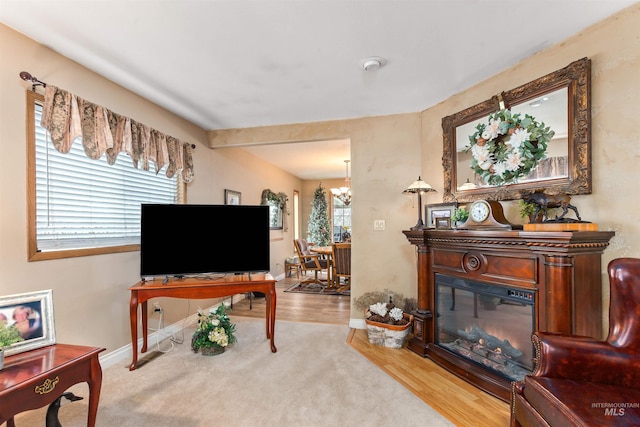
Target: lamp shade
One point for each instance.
(419, 186)
(467, 185)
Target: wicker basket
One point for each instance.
(391, 336)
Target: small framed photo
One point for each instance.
(443, 223)
(32, 314)
(438, 210)
(231, 197)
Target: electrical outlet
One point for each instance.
(157, 308)
(378, 224)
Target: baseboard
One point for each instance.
(357, 324)
(124, 353)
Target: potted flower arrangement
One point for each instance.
(8, 335)
(214, 332)
(387, 325)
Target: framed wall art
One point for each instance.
(232, 197)
(32, 314)
(438, 210)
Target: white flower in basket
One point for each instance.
(387, 325)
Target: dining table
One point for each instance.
(327, 252)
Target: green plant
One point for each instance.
(8, 335)
(526, 208)
(460, 214)
(214, 329)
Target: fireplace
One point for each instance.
(482, 293)
(487, 324)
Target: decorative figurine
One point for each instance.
(543, 202)
(52, 412)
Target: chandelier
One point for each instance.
(344, 193)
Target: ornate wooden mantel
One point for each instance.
(563, 269)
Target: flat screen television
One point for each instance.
(184, 240)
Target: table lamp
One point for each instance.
(418, 187)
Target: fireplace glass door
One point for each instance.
(488, 324)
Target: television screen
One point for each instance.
(181, 240)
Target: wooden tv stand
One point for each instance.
(196, 288)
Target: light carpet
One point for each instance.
(315, 379)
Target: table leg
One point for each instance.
(133, 318)
(271, 317)
(145, 326)
(95, 383)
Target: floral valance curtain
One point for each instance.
(67, 116)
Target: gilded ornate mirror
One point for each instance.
(561, 100)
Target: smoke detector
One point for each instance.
(372, 63)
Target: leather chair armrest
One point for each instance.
(585, 359)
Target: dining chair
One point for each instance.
(341, 264)
(310, 262)
(292, 264)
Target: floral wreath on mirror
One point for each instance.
(508, 147)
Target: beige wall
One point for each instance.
(386, 157)
(91, 298)
(387, 153)
(614, 49)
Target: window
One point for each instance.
(79, 206)
(341, 220)
(296, 214)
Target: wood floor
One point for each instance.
(460, 402)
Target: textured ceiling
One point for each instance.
(243, 63)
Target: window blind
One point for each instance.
(84, 203)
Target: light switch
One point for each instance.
(378, 224)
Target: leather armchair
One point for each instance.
(580, 381)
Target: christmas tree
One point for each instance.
(319, 228)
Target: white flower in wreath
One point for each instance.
(482, 156)
(519, 137)
(507, 147)
(492, 130)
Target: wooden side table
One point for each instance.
(36, 378)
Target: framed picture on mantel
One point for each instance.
(436, 211)
(231, 197)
